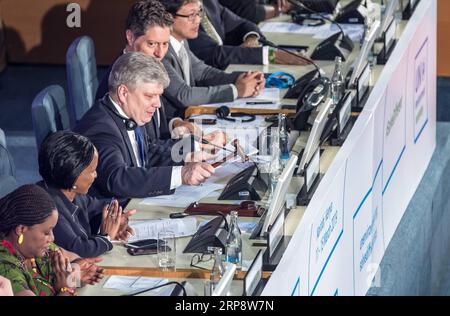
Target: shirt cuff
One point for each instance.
(171, 123)
(175, 180)
(265, 55)
(251, 33)
(235, 91)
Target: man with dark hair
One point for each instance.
(191, 81)
(225, 38)
(148, 31)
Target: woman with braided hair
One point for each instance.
(28, 257)
(86, 225)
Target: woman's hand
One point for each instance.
(64, 276)
(125, 231)
(90, 273)
(111, 220)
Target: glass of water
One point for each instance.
(167, 253)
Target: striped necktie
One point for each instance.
(210, 30)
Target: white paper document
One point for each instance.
(268, 99)
(149, 229)
(184, 195)
(131, 283)
(354, 31)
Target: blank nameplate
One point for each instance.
(275, 233)
(312, 170)
(389, 35)
(253, 275)
(345, 112)
(363, 82)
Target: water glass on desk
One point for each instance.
(167, 253)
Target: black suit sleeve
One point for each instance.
(222, 56)
(232, 29)
(82, 244)
(250, 10)
(117, 178)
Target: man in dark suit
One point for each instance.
(129, 164)
(225, 38)
(191, 81)
(148, 31)
(256, 10)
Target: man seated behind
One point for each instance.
(148, 31)
(129, 164)
(191, 81)
(226, 38)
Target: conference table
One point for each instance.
(119, 262)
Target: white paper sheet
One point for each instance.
(131, 284)
(268, 99)
(184, 195)
(228, 170)
(354, 31)
(148, 229)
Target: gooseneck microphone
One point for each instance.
(308, 60)
(345, 39)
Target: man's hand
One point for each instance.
(285, 58)
(251, 41)
(218, 138)
(248, 84)
(182, 128)
(194, 173)
(282, 6)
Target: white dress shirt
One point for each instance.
(176, 179)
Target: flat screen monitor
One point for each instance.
(279, 195)
(388, 15)
(360, 62)
(316, 132)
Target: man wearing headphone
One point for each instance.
(131, 166)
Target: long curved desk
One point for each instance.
(338, 240)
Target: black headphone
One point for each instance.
(130, 124)
(224, 112)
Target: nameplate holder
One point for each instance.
(275, 234)
(344, 119)
(311, 180)
(253, 277)
(362, 87)
(276, 243)
(389, 40)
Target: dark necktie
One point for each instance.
(140, 141)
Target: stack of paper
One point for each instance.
(149, 229)
(354, 31)
(130, 284)
(268, 99)
(184, 195)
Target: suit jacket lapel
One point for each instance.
(191, 72)
(177, 60)
(121, 126)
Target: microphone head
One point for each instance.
(266, 42)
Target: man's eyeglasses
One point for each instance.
(191, 17)
(196, 259)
